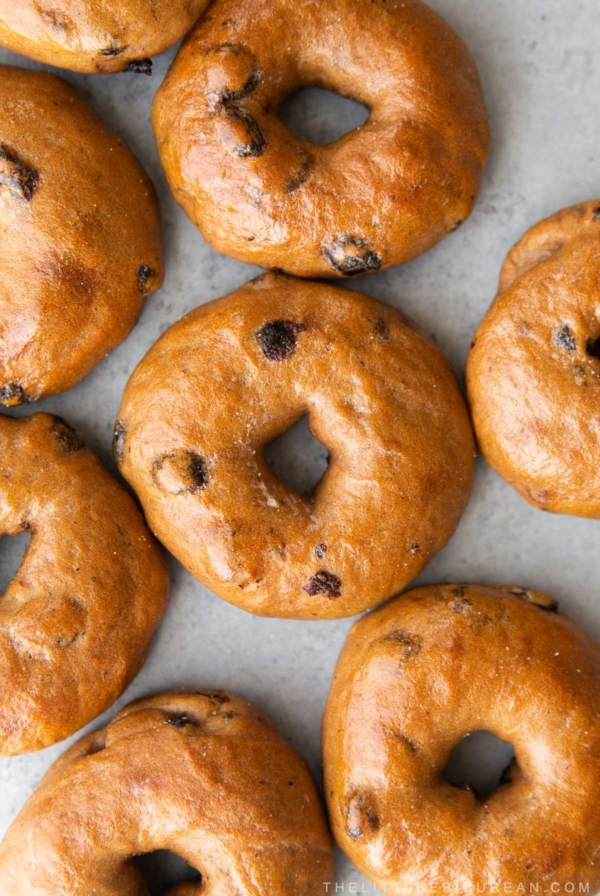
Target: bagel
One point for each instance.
(379, 196)
(417, 676)
(533, 373)
(235, 374)
(202, 774)
(77, 618)
(79, 237)
(96, 36)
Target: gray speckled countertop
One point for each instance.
(540, 66)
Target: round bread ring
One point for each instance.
(417, 676)
(77, 618)
(235, 374)
(202, 774)
(96, 36)
(79, 237)
(379, 196)
(533, 372)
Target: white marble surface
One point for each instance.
(540, 65)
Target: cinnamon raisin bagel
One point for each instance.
(202, 774)
(380, 195)
(533, 372)
(79, 237)
(417, 676)
(96, 36)
(235, 374)
(77, 618)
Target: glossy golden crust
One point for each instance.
(79, 237)
(413, 679)
(96, 36)
(77, 618)
(382, 194)
(533, 373)
(202, 774)
(235, 374)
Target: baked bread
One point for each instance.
(80, 241)
(200, 773)
(380, 195)
(96, 36)
(235, 374)
(533, 373)
(417, 676)
(77, 618)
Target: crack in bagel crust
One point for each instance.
(389, 731)
(200, 773)
(381, 194)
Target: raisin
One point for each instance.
(241, 133)
(22, 181)
(324, 583)
(180, 472)
(351, 256)
(299, 177)
(144, 275)
(231, 96)
(179, 721)
(68, 437)
(139, 67)
(278, 338)
(409, 643)
(539, 600)
(382, 330)
(361, 818)
(119, 440)
(320, 550)
(214, 697)
(564, 339)
(13, 394)
(113, 51)
(463, 605)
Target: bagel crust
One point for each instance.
(96, 36)
(382, 194)
(417, 676)
(77, 618)
(202, 774)
(235, 374)
(79, 237)
(533, 373)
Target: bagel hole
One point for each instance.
(12, 551)
(298, 459)
(321, 116)
(482, 761)
(593, 348)
(162, 870)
